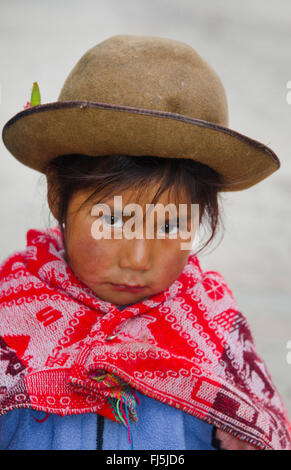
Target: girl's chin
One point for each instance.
(123, 298)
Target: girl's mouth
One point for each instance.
(124, 287)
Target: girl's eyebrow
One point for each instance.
(119, 213)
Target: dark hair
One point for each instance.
(111, 173)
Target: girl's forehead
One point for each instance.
(144, 195)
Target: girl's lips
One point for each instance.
(122, 287)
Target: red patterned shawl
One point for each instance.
(187, 346)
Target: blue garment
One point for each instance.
(159, 427)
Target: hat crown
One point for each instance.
(148, 72)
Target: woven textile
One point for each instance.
(188, 346)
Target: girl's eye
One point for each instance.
(171, 228)
(110, 218)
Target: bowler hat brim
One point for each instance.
(38, 134)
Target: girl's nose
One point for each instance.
(136, 254)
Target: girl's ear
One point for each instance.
(52, 192)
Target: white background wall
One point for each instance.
(249, 45)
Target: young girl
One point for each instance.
(119, 342)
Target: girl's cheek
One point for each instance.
(94, 251)
(172, 262)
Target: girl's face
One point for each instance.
(154, 263)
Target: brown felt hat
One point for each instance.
(139, 96)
